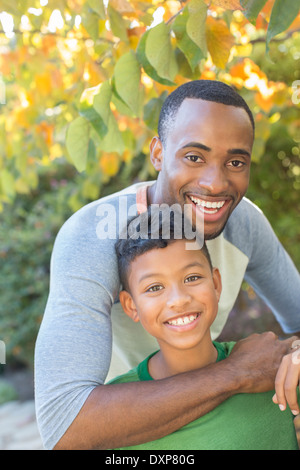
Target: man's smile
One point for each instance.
(207, 207)
(214, 208)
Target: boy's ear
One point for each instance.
(128, 305)
(217, 282)
(156, 153)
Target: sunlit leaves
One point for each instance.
(282, 16)
(195, 26)
(93, 84)
(191, 51)
(252, 8)
(77, 142)
(219, 41)
(160, 53)
(144, 61)
(127, 81)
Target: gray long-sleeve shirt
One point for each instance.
(85, 339)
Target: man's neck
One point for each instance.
(151, 195)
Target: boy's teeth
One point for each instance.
(183, 320)
(207, 204)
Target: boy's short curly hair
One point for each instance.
(141, 240)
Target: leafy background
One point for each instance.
(81, 86)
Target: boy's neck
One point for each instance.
(169, 361)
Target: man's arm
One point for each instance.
(120, 415)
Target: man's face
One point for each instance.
(205, 161)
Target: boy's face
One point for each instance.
(174, 294)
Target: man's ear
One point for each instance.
(128, 305)
(217, 282)
(156, 153)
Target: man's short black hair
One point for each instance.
(208, 90)
(129, 248)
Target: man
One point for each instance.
(202, 154)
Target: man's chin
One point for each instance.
(214, 234)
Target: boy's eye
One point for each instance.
(155, 288)
(192, 278)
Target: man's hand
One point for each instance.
(100, 424)
(287, 380)
(260, 356)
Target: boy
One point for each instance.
(174, 292)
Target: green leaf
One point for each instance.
(152, 110)
(283, 14)
(77, 142)
(7, 182)
(127, 81)
(195, 26)
(113, 141)
(117, 24)
(143, 60)
(185, 44)
(90, 21)
(98, 7)
(160, 53)
(252, 8)
(87, 110)
(101, 101)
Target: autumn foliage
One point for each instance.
(84, 79)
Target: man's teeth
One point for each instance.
(183, 320)
(208, 205)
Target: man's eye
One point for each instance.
(236, 163)
(194, 158)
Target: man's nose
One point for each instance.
(213, 179)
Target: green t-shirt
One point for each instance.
(242, 422)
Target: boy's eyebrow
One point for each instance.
(188, 266)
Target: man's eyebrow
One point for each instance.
(197, 145)
(239, 152)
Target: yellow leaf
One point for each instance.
(226, 4)
(21, 186)
(122, 6)
(43, 84)
(219, 41)
(109, 163)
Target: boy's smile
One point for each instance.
(174, 294)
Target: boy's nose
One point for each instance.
(178, 299)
